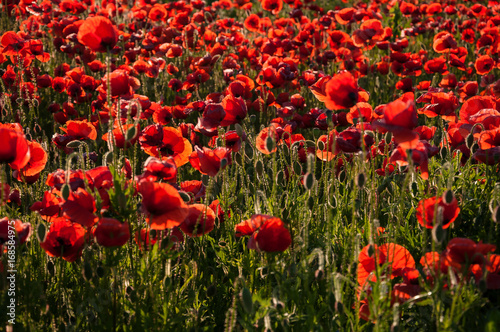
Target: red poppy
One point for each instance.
(162, 204)
(156, 169)
(48, 207)
(235, 108)
(120, 133)
(98, 33)
(274, 6)
(443, 42)
(210, 162)
(397, 258)
(439, 103)
(252, 23)
(38, 159)
(80, 130)
(447, 212)
(275, 236)
(111, 232)
(489, 139)
(165, 142)
(484, 64)
(64, 239)
(14, 149)
(340, 92)
(461, 251)
(22, 232)
(199, 221)
(195, 189)
(269, 133)
(400, 117)
(80, 208)
(219, 213)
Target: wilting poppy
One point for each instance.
(111, 232)
(14, 149)
(64, 239)
(162, 204)
(199, 221)
(447, 212)
(210, 162)
(98, 33)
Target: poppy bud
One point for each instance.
(259, 167)
(308, 181)
(246, 300)
(469, 140)
(50, 268)
(41, 232)
(438, 233)
(448, 197)
(360, 180)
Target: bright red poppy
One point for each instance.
(427, 208)
(64, 239)
(98, 33)
(156, 169)
(38, 159)
(275, 236)
(273, 6)
(111, 232)
(22, 232)
(162, 204)
(14, 149)
(339, 92)
(199, 221)
(80, 208)
(210, 162)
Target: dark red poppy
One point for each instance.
(14, 149)
(64, 239)
(427, 208)
(462, 251)
(21, 235)
(111, 232)
(443, 42)
(98, 33)
(156, 169)
(199, 221)
(164, 143)
(210, 162)
(162, 204)
(48, 207)
(484, 64)
(219, 213)
(235, 108)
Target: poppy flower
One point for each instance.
(14, 149)
(111, 232)
(400, 117)
(275, 237)
(489, 139)
(341, 92)
(265, 135)
(397, 258)
(156, 169)
(210, 162)
(461, 251)
(80, 130)
(199, 221)
(98, 33)
(195, 189)
(164, 143)
(36, 164)
(80, 208)
(447, 212)
(273, 6)
(235, 108)
(64, 239)
(120, 133)
(484, 64)
(443, 42)
(252, 23)
(49, 206)
(219, 213)
(162, 204)
(22, 230)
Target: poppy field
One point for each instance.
(249, 165)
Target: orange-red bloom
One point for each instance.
(340, 92)
(199, 221)
(98, 33)
(210, 162)
(14, 148)
(111, 232)
(426, 209)
(64, 239)
(162, 204)
(274, 6)
(267, 233)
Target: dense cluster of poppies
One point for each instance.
(301, 66)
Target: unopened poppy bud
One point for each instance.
(259, 167)
(238, 159)
(388, 137)
(469, 140)
(297, 168)
(339, 307)
(87, 271)
(211, 290)
(270, 143)
(246, 300)
(360, 180)
(239, 130)
(308, 181)
(319, 274)
(371, 250)
(131, 132)
(438, 233)
(474, 148)
(443, 152)
(310, 203)
(41, 232)
(65, 191)
(100, 271)
(448, 197)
